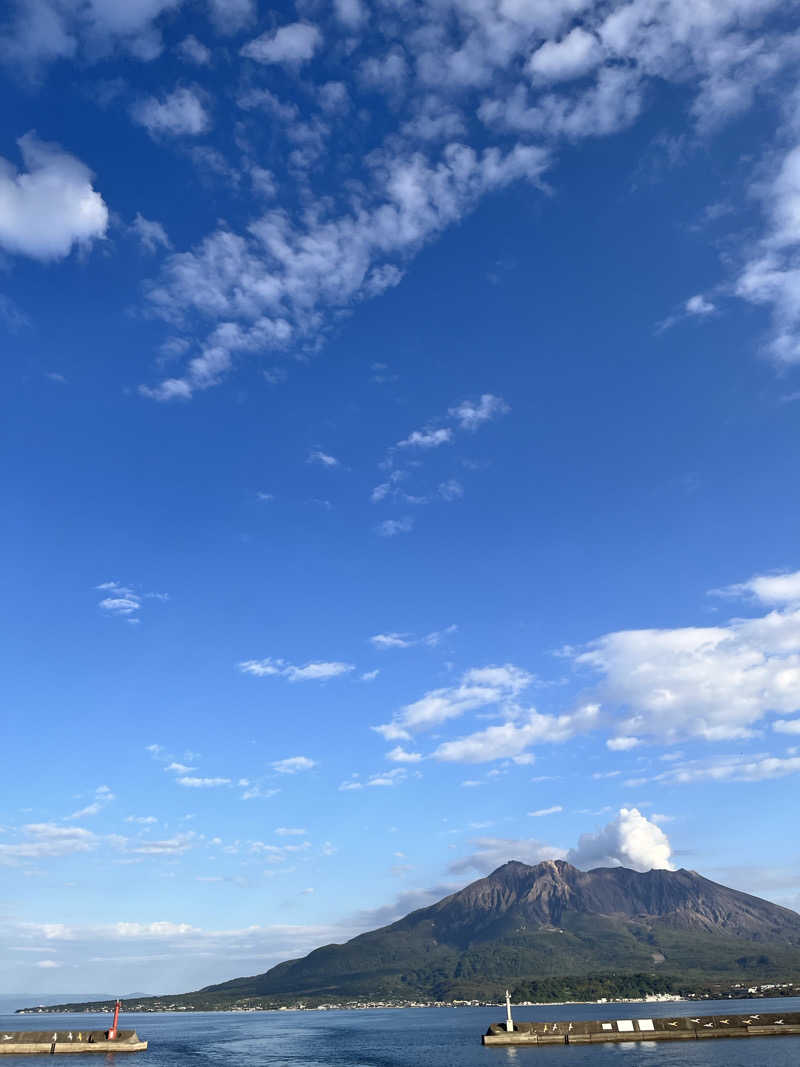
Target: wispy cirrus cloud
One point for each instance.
(124, 601)
(470, 415)
(478, 688)
(393, 527)
(324, 459)
(43, 840)
(293, 764)
(320, 671)
(753, 767)
(102, 797)
(390, 640)
(192, 782)
(406, 456)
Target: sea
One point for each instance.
(408, 1037)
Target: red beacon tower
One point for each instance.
(112, 1033)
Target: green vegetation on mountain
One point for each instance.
(549, 932)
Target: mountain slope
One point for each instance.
(523, 923)
(548, 932)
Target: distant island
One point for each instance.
(549, 932)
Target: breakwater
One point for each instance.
(597, 1031)
(21, 1042)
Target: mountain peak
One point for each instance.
(518, 865)
(524, 922)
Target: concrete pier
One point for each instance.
(52, 1042)
(674, 1028)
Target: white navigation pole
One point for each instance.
(509, 1020)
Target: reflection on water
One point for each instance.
(421, 1037)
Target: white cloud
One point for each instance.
(470, 416)
(387, 779)
(49, 964)
(293, 764)
(323, 459)
(629, 840)
(427, 438)
(179, 768)
(292, 44)
(50, 207)
(451, 490)
(167, 945)
(180, 113)
(706, 682)
(287, 277)
(151, 234)
(229, 16)
(143, 820)
(699, 305)
(194, 51)
(512, 739)
(493, 852)
(572, 57)
(351, 13)
(125, 602)
(255, 792)
(392, 640)
(46, 30)
(754, 768)
(171, 846)
(773, 589)
(102, 797)
(202, 783)
(787, 726)
(405, 640)
(400, 755)
(771, 276)
(387, 73)
(318, 672)
(389, 487)
(370, 676)
(393, 527)
(121, 605)
(556, 808)
(622, 744)
(47, 840)
(478, 688)
(290, 831)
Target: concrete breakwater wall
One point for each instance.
(20, 1042)
(674, 1028)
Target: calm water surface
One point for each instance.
(409, 1037)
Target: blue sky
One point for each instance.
(400, 413)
